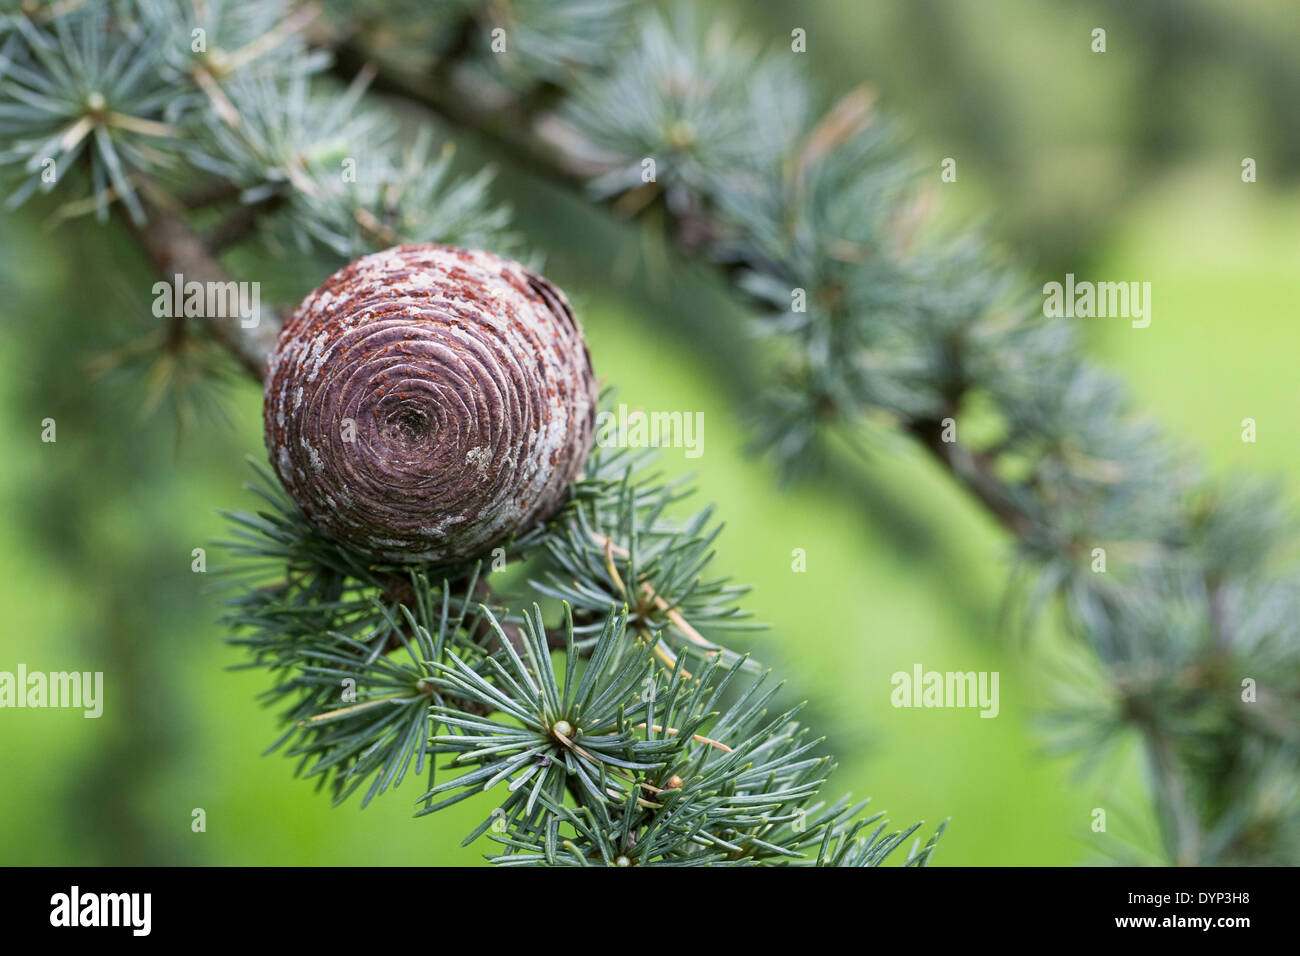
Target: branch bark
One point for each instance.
(174, 248)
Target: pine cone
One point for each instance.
(427, 402)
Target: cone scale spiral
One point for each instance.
(426, 402)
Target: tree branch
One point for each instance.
(174, 248)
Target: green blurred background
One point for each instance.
(1123, 166)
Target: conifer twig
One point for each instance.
(173, 248)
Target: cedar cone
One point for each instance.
(427, 402)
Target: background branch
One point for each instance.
(174, 248)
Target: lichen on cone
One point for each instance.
(427, 402)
